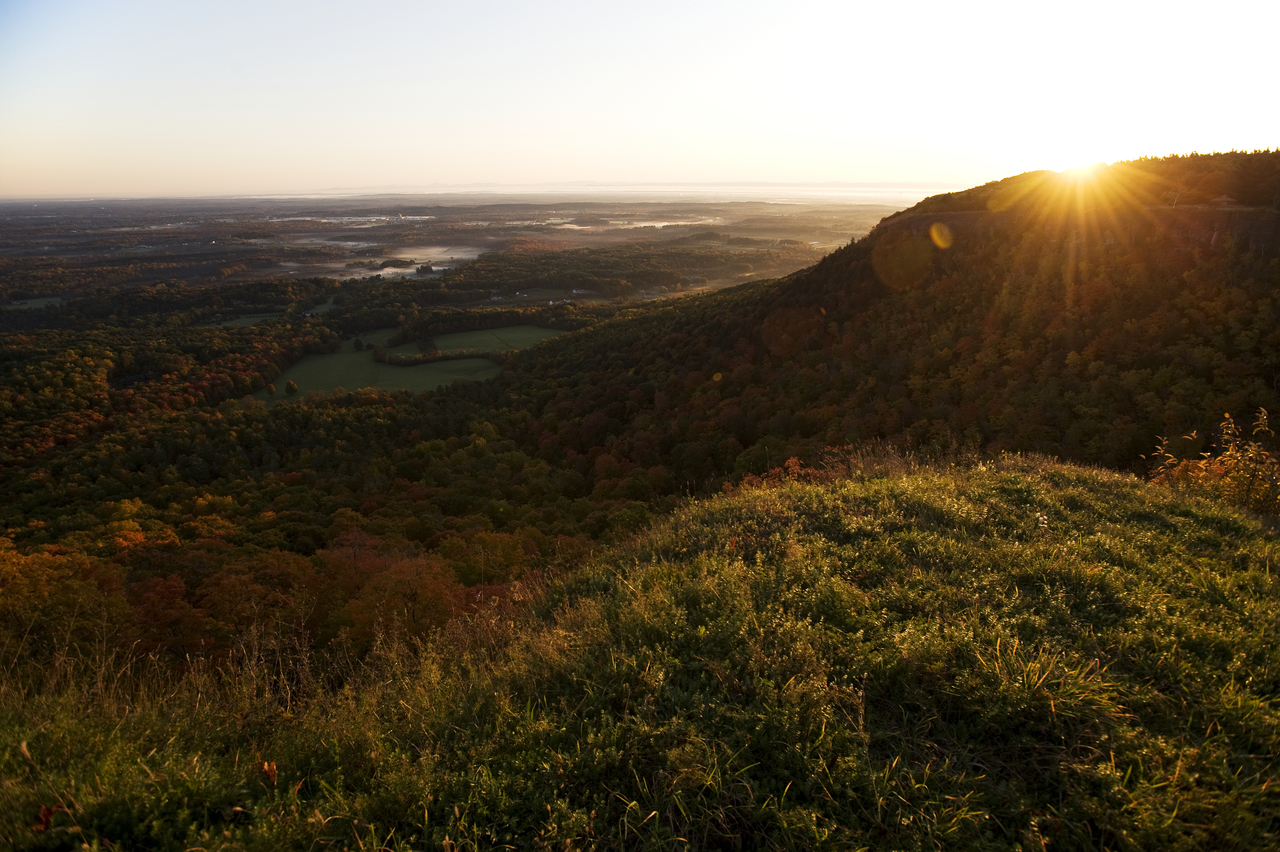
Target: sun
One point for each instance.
(1082, 173)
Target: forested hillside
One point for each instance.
(153, 505)
(1072, 315)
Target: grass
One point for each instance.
(494, 340)
(351, 369)
(1014, 654)
(250, 320)
(33, 304)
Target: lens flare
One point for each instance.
(941, 235)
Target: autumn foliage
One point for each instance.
(1072, 317)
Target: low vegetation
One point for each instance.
(995, 654)
(368, 362)
(494, 339)
(1241, 471)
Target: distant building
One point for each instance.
(1225, 201)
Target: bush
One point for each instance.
(1242, 471)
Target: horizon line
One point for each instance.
(495, 188)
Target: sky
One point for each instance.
(138, 98)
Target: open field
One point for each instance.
(31, 304)
(253, 319)
(351, 369)
(494, 340)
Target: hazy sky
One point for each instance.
(143, 98)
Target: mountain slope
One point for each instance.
(1058, 314)
(1077, 316)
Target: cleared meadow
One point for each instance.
(351, 368)
(252, 319)
(495, 339)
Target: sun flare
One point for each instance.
(1082, 172)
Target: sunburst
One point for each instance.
(1082, 210)
(1082, 173)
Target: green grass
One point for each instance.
(494, 340)
(250, 320)
(1016, 654)
(33, 304)
(350, 369)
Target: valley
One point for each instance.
(53, 249)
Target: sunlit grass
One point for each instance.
(967, 657)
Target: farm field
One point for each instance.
(31, 304)
(494, 340)
(352, 369)
(252, 319)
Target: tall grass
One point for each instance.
(1005, 654)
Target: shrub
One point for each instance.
(1242, 471)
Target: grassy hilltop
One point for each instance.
(1004, 654)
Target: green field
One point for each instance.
(253, 319)
(494, 340)
(32, 304)
(350, 369)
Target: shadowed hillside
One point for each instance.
(1051, 313)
